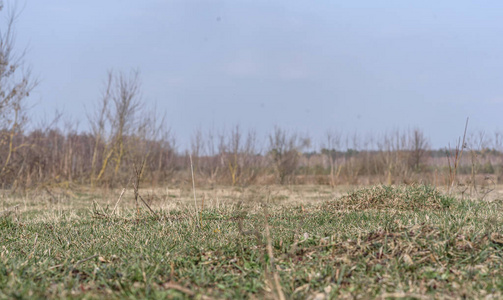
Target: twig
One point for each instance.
(96, 206)
(179, 288)
(76, 264)
(136, 187)
(243, 232)
(463, 146)
(193, 185)
(201, 212)
(458, 153)
(151, 210)
(118, 200)
(174, 286)
(270, 253)
(487, 190)
(85, 259)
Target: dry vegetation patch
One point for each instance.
(407, 262)
(393, 197)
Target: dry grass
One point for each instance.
(392, 197)
(376, 242)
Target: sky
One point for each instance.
(307, 66)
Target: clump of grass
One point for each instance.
(394, 197)
(427, 260)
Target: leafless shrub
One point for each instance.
(418, 147)
(285, 150)
(237, 154)
(121, 103)
(331, 150)
(454, 160)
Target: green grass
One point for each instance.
(391, 242)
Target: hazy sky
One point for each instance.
(365, 66)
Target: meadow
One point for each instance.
(258, 242)
(275, 215)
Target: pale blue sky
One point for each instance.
(365, 66)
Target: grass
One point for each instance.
(415, 197)
(408, 242)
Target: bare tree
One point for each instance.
(237, 153)
(329, 150)
(419, 146)
(126, 99)
(121, 104)
(250, 163)
(285, 150)
(352, 167)
(233, 149)
(15, 86)
(213, 144)
(98, 122)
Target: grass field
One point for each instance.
(310, 242)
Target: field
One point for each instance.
(297, 242)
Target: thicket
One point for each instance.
(107, 156)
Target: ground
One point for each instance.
(293, 242)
